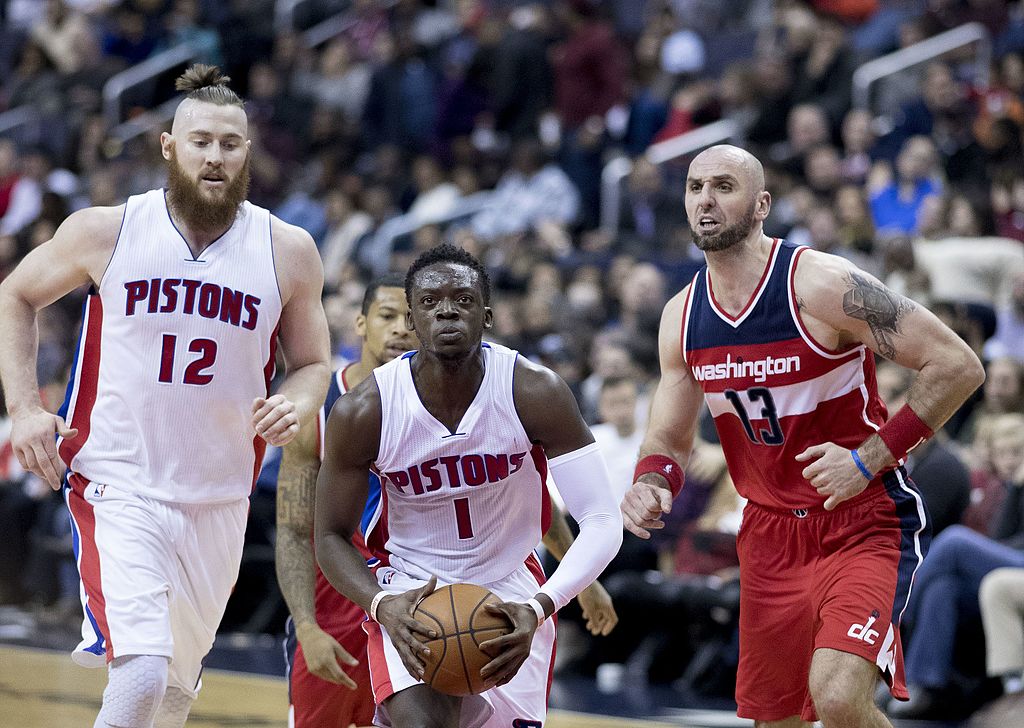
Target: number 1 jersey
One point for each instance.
(772, 390)
(173, 350)
(469, 505)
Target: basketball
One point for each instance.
(456, 613)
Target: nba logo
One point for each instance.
(388, 577)
(98, 492)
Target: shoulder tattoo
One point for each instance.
(875, 304)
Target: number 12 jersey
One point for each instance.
(174, 349)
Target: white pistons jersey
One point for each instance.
(173, 351)
(469, 505)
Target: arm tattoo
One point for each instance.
(296, 574)
(882, 309)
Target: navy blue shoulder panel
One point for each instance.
(769, 321)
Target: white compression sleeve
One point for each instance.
(135, 687)
(585, 486)
(173, 710)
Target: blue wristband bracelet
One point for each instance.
(860, 465)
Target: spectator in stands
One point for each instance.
(807, 126)
(858, 150)
(66, 37)
(401, 108)
(945, 594)
(823, 69)
(345, 225)
(521, 80)
(1002, 613)
(1008, 204)
(895, 206)
(1009, 337)
(533, 191)
(131, 38)
(649, 210)
(1002, 393)
(620, 430)
(185, 24)
(337, 82)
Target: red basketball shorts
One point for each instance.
(317, 703)
(817, 579)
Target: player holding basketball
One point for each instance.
(778, 339)
(329, 678)
(168, 412)
(462, 434)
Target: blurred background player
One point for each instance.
(166, 430)
(327, 626)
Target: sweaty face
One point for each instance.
(448, 311)
(385, 335)
(721, 202)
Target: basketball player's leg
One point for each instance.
(523, 700)
(776, 619)
(135, 687)
(208, 557)
(123, 552)
(420, 706)
(842, 687)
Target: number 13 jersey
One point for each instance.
(174, 349)
(772, 390)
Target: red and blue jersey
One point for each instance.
(772, 389)
(331, 606)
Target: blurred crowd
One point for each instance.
(488, 123)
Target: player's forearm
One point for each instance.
(345, 568)
(559, 538)
(296, 574)
(937, 392)
(583, 481)
(293, 551)
(19, 333)
(306, 387)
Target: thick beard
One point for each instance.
(197, 211)
(727, 236)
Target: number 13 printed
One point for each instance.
(773, 435)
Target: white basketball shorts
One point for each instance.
(155, 576)
(521, 702)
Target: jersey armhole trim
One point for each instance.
(684, 328)
(273, 257)
(117, 241)
(794, 310)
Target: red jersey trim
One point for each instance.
(762, 284)
(685, 327)
(794, 310)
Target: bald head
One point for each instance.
(726, 202)
(737, 161)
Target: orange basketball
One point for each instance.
(456, 613)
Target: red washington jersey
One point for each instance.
(773, 391)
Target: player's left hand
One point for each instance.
(511, 650)
(275, 419)
(598, 610)
(832, 472)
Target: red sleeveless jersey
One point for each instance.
(772, 390)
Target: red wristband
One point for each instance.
(664, 466)
(903, 432)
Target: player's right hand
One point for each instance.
(34, 444)
(323, 654)
(643, 506)
(394, 614)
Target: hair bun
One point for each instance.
(199, 76)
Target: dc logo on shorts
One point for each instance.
(864, 631)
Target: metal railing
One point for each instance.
(335, 25)
(17, 117)
(617, 169)
(929, 49)
(115, 88)
(378, 250)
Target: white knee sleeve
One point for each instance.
(173, 711)
(135, 686)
